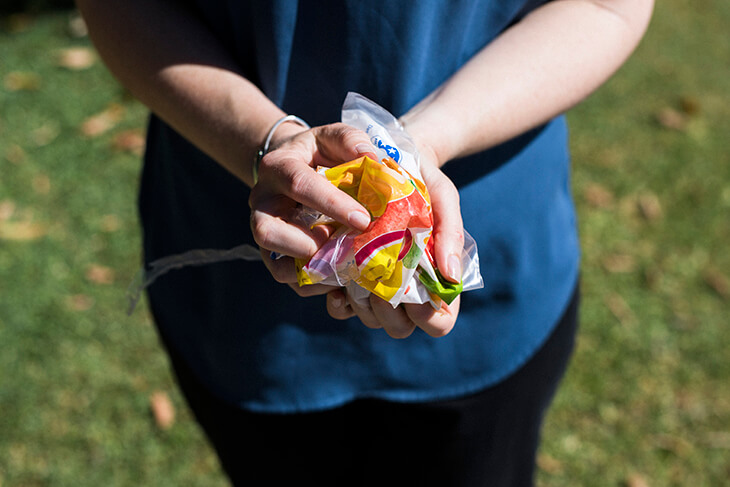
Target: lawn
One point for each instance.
(647, 398)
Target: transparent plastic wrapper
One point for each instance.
(159, 267)
(393, 258)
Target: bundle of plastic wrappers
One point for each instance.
(393, 258)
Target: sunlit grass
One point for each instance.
(646, 398)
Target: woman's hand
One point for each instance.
(287, 180)
(448, 235)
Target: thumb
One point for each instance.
(338, 143)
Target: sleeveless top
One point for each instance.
(253, 341)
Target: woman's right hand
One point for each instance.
(287, 179)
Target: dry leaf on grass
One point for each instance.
(650, 206)
(718, 282)
(110, 223)
(129, 141)
(549, 464)
(15, 154)
(636, 480)
(22, 231)
(162, 410)
(100, 274)
(7, 209)
(75, 58)
(22, 81)
(45, 134)
(619, 263)
(598, 196)
(672, 119)
(77, 26)
(103, 121)
(618, 306)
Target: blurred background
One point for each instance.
(86, 397)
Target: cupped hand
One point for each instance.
(448, 235)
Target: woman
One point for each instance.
(286, 381)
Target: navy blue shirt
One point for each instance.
(257, 344)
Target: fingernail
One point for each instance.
(336, 301)
(358, 219)
(364, 149)
(454, 268)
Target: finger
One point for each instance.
(395, 321)
(364, 312)
(337, 305)
(338, 143)
(315, 191)
(435, 323)
(448, 228)
(274, 233)
(287, 172)
(282, 269)
(309, 290)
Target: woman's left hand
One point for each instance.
(448, 235)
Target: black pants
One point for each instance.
(486, 439)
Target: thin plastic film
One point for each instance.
(145, 277)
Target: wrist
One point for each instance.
(282, 130)
(433, 139)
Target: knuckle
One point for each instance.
(298, 182)
(352, 136)
(262, 230)
(302, 291)
(346, 134)
(265, 165)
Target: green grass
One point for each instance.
(646, 397)
(75, 372)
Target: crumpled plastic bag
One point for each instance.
(393, 258)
